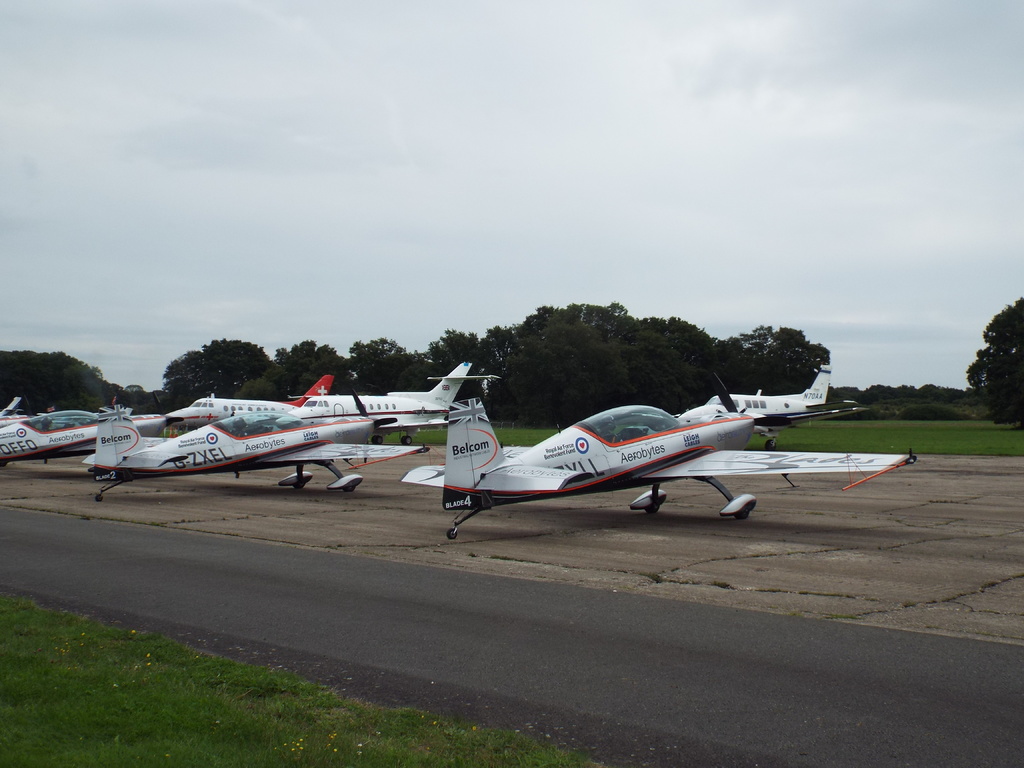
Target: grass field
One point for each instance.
(946, 437)
(77, 693)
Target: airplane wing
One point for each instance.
(515, 478)
(789, 419)
(783, 463)
(350, 452)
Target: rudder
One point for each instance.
(472, 450)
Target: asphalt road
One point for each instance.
(630, 678)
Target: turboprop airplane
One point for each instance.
(625, 447)
(61, 433)
(209, 409)
(773, 413)
(245, 441)
(413, 411)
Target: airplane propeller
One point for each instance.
(359, 403)
(723, 394)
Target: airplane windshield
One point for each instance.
(47, 422)
(629, 423)
(257, 423)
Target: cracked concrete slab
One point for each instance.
(936, 547)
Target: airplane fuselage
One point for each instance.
(207, 410)
(408, 411)
(238, 443)
(622, 461)
(612, 450)
(61, 433)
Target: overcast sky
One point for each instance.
(175, 171)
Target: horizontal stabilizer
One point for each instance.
(429, 475)
(521, 478)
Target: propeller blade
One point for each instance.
(723, 394)
(359, 403)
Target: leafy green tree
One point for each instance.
(998, 370)
(382, 365)
(299, 368)
(566, 371)
(457, 347)
(776, 362)
(668, 363)
(453, 348)
(497, 347)
(46, 379)
(220, 367)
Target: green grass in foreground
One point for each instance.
(982, 438)
(75, 692)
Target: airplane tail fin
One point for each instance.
(473, 450)
(818, 391)
(116, 437)
(12, 407)
(322, 387)
(447, 389)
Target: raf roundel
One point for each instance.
(20, 432)
(211, 438)
(582, 445)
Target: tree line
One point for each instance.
(556, 367)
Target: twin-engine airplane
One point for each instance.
(208, 409)
(60, 433)
(246, 441)
(412, 411)
(773, 413)
(626, 447)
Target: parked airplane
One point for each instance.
(626, 447)
(61, 433)
(413, 411)
(209, 409)
(773, 413)
(239, 443)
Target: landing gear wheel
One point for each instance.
(99, 497)
(770, 445)
(377, 439)
(743, 514)
(406, 440)
(452, 533)
(348, 489)
(653, 508)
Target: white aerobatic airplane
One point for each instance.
(209, 409)
(413, 411)
(624, 447)
(59, 434)
(773, 413)
(245, 441)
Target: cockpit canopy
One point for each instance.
(628, 423)
(48, 422)
(257, 423)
